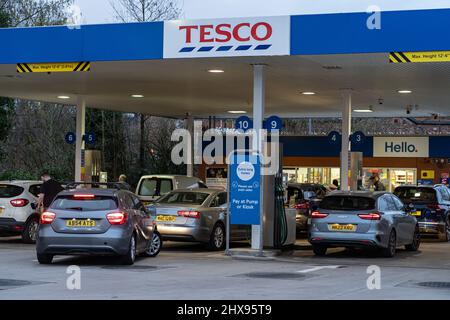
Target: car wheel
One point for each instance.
(389, 252)
(217, 240)
(445, 236)
(130, 257)
(29, 235)
(319, 250)
(155, 245)
(414, 246)
(44, 258)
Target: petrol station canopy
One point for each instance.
(168, 62)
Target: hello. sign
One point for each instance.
(396, 147)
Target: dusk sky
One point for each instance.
(100, 11)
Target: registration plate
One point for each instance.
(2, 210)
(416, 213)
(81, 223)
(342, 227)
(166, 218)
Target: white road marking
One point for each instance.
(318, 268)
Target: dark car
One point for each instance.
(302, 198)
(431, 206)
(97, 222)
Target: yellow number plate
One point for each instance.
(166, 218)
(342, 227)
(81, 223)
(1, 210)
(416, 213)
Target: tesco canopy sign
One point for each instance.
(227, 37)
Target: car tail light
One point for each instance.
(304, 205)
(84, 196)
(189, 214)
(370, 216)
(47, 217)
(318, 215)
(19, 202)
(117, 218)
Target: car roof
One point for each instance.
(366, 194)
(199, 190)
(94, 191)
(20, 182)
(167, 176)
(419, 186)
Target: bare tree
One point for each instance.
(25, 13)
(145, 10)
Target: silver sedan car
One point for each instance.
(363, 219)
(195, 215)
(97, 222)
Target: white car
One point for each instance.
(18, 200)
(150, 188)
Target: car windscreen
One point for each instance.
(10, 191)
(155, 187)
(416, 194)
(188, 198)
(347, 203)
(98, 203)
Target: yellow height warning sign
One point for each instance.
(418, 57)
(54, 67)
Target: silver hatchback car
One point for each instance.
(97, 222)
(363, 219)
(196, 215)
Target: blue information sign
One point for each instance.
(273, 123)
(244, 123)
(90, 138)
(245, 189)
(358, 137)
(71, 138)
(334, 137)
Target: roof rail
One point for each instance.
(108, 185)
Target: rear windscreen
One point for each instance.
(347, 203)
(99, 203)
(416, 194)
(155, 187)
(10, 191)
(189, 198)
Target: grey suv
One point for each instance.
(97, 222)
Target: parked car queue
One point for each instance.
(114, 221)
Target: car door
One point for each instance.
(387, 207)
(128, 206)
(143, 220)
(445, 199)
(407, 223)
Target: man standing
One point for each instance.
(123, 181)
(49, 189)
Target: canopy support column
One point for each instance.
(346, 130)
(79, 146)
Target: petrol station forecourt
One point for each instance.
(264, 66)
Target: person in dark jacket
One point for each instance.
(49, 189)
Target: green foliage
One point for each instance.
(17, 175)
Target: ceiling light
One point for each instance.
(404, 91)
(216, 71)
(137, 96)
(369, 109)
(237, 112)
(63, 97)
(308, 93)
